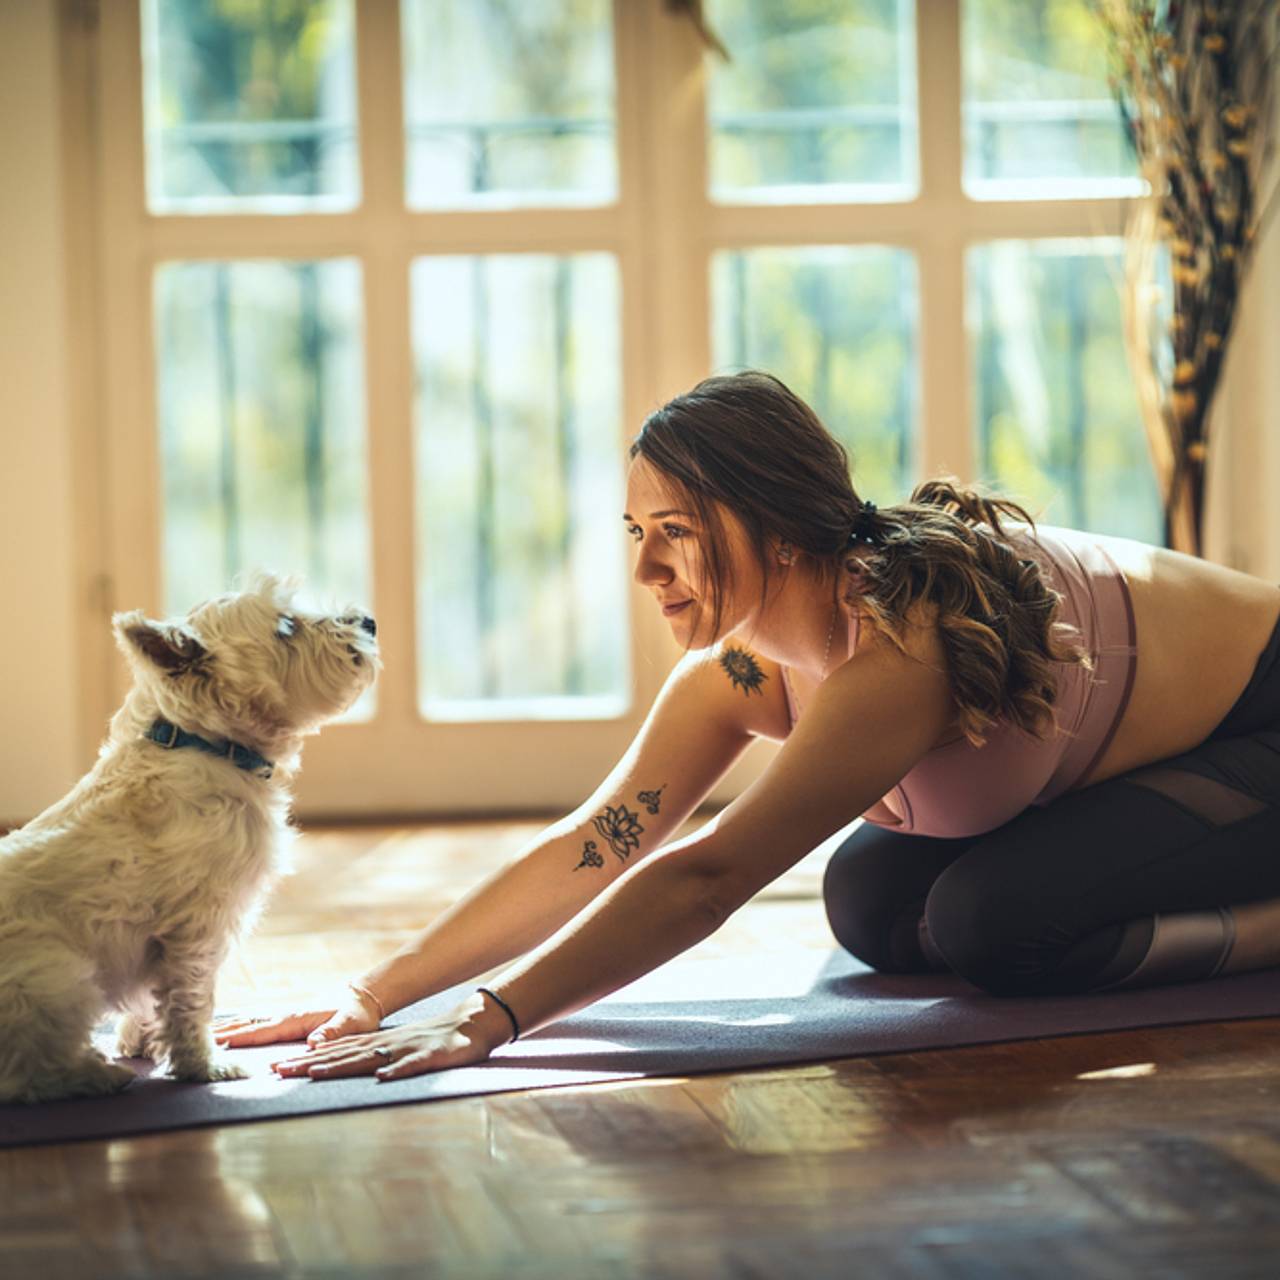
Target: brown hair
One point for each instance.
(746, 441)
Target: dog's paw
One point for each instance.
(135, 1038)
(89, 1078)
(207, 1071)
(111, 1078)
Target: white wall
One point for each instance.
(1243, 518)
(39, 663)
(46, 475)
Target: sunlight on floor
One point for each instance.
(1120, 1073)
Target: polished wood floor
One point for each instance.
(1146, 1153)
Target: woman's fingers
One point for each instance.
(389, 1055)
(357, 1064)
(334, 1029)
(237, 1022)
(346, 1022)
(324, 1054)
(412, 1064)
(293, 1066)
(251, 1031)
(341, 1060)
(247, 1032)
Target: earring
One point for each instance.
(785, 554)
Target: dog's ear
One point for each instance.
(169, 647)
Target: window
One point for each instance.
(247, 108)
(838, 324)
(1054, 406)
(508, 104)
(1039, 119)
(518, 487)
(818, 103)
(387, 289)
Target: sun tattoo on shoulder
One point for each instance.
(743, 670)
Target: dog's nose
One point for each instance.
(369, 625)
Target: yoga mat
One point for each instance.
(689, 1016)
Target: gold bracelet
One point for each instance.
(364, 991)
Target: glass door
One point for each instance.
(367, 265)
(388, 286)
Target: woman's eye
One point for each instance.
(674, 532)
(635, 531)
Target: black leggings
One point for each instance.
(1081, 894)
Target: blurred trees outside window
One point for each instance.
(250, 107)
(508, 103)
(818, 102)
(1039, 117)
(842, 321)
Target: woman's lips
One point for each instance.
(669, 609)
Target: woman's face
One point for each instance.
(670, 547)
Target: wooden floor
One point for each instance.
(1146, 1153)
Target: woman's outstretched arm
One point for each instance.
(864, 730)
(694, 732)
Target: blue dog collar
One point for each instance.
(169, 735)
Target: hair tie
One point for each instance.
(863, 530)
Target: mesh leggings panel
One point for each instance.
(1214, 801)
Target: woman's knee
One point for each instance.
(874, 889)
(993, 935)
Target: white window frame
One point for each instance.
(663, 230)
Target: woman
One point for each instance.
(1066, 749)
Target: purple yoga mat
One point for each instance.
(689, 1016)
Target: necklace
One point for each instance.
(831, 630)
(826, 659)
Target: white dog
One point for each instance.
(127, 893)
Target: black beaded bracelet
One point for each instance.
(506, 1008)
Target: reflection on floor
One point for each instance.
(1151, 1152)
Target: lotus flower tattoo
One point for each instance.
(620, 827)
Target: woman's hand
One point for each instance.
(453, 1039)
(349, 1014)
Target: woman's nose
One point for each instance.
(650, 569)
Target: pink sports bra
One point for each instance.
(958, 789)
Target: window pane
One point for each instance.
(260, 380)
(522, 565)
(1055, 407)
(249, 106)
(838, 326)
(819, 102)
(1039, 119)
(510, 102)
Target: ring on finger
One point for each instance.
(383, 1052)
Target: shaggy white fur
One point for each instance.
(127, 892)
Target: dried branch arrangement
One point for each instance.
(1195, 84)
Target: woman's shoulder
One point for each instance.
(735, 682)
